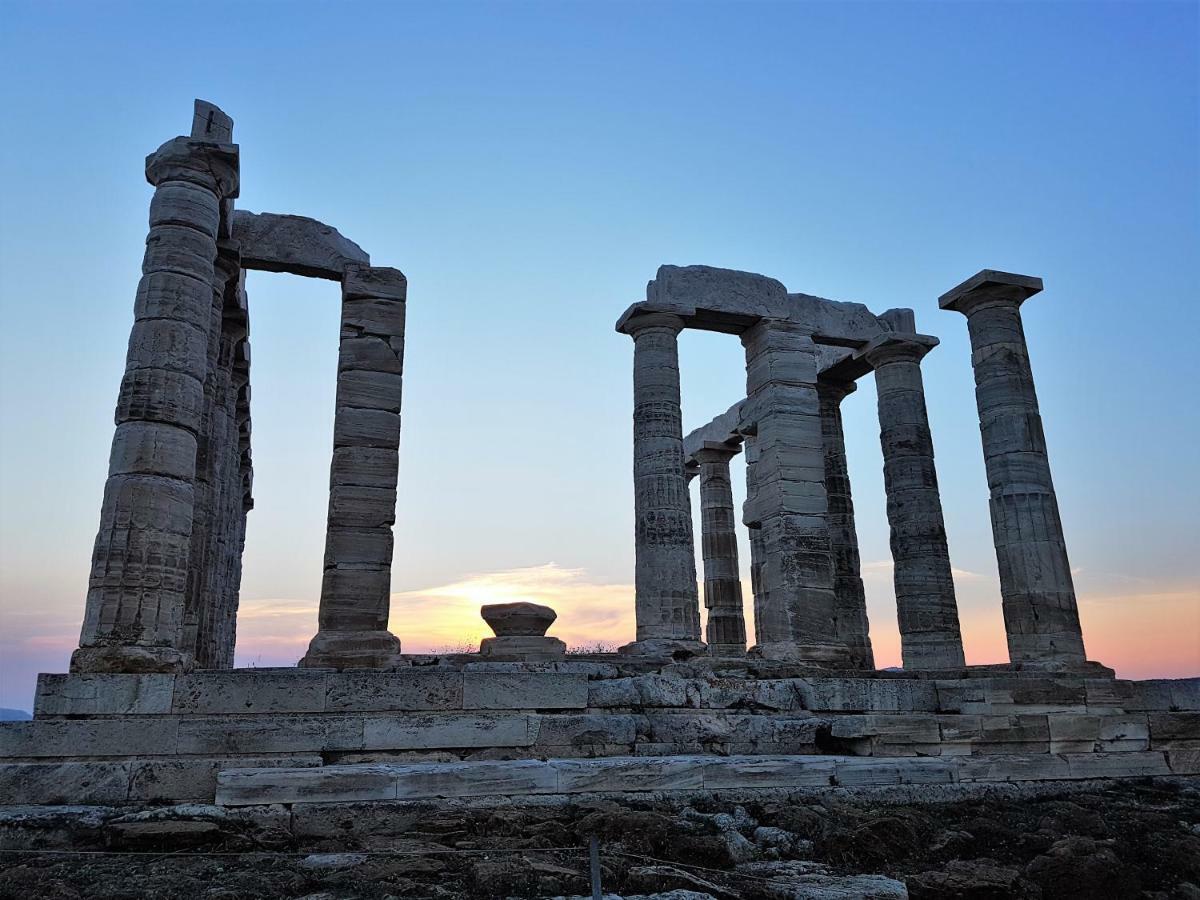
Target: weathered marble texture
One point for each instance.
(666, 601)
(353, 614)
(797, 618)
(1041, 615)
(926, 607)
(137, 592)
(725, 628)
(295, 244)
(852, 625)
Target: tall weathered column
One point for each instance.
(217, 437)
(136, 595)
(758, 553)
(930, 637)
(352, 621)
(852, 624)
(667, 605)
(1040, 611)
(725, 629)
(797, 618)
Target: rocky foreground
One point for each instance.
(1129, 839)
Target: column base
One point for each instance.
(133, 659)
(352, 650)
(522, 648)
(1069, 666)
(673, 648)
(936, 653)
(832, 655)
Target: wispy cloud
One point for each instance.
(448, 614)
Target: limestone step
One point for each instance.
(356, 783)
(589, 685)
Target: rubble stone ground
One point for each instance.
(1136, 839)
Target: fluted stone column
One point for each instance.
(136, 595)
(852, 624)
(797, 618)
(352, 621)
(930, 637)
(1041, 616)
(754, 528)
(667, 605)
(213, 518)
(725, 630)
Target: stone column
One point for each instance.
(667, 604)
(852, 624)
(926, 606)
(210, 522)
(725, 629)
(1040, 611)
(352, 622)
(797, 617)
(136, 594)
(754, 528)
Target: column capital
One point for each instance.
(206, 163)
(713, 452)
(229, 260)
(893, 347)
(990, 288)
(835, 388)
(638, 322)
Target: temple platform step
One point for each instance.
(694, 773)
(130, 739)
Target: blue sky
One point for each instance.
(529, 166)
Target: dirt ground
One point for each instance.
(1134, 839)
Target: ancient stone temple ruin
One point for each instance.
(152, 712)
(163, 592)
(803, 357)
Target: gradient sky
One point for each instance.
(529, 166)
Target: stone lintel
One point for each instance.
(727, 428)
(298, 245)
(989, 284)
(731, 301)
